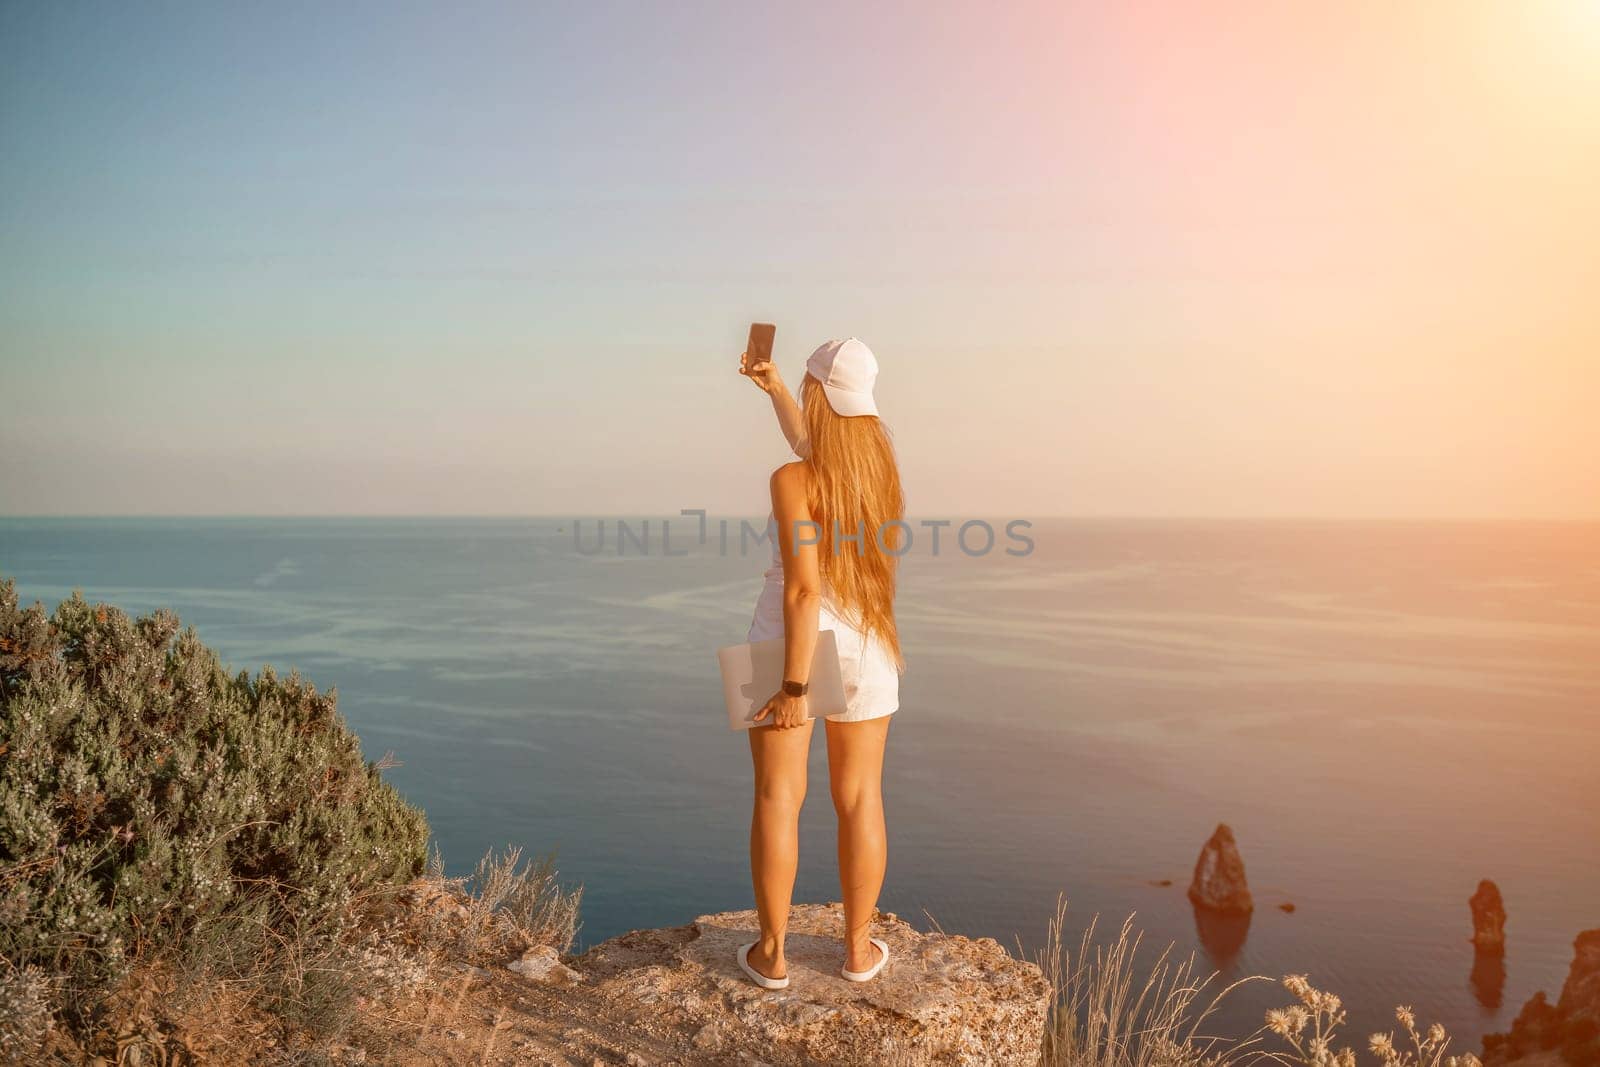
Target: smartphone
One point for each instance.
(760, 344)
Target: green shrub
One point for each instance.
(143, 790)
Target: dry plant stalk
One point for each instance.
(494, 1032)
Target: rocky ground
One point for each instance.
(676, 996)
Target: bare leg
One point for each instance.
(780, 779)
(855, 775)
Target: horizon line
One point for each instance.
(644, 516)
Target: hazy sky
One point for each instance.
(1225, 259)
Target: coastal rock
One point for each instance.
(1488, 918)
(1580, 996)
(543, 964)
(1219, 882)
(1569, 1030)
(677, 995)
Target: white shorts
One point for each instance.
(871, 682)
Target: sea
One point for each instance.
(1384, 713)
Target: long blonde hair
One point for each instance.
(855, 494)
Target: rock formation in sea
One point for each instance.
(1488, 918)
(1569, 1030)
(1219, 883)
(676, 995)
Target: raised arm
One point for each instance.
(769, 381)
(802, 592)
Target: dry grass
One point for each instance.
(1105, 1015)
(520, 905)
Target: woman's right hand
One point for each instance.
(787, 712)
(764, 374)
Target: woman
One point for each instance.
(838, 517)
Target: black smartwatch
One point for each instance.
(795, 689)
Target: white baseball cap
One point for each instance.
(847, 370)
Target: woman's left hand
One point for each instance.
(764, 374)
(787, 712)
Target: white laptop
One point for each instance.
(752, 673)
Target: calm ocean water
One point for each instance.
(1384, 712)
